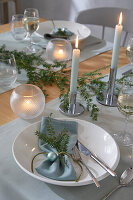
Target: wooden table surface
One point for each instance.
(89, 65)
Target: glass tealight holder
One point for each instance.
(59, 50)
(27, 101)
(8, 71)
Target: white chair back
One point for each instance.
(105, 19)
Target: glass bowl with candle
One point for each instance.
(27, 101)
(59, 50)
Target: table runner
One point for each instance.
(17, 185)
(89, 47)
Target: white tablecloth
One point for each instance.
(17, 185)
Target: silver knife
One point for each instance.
(87, 152)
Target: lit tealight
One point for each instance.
(59, 54)
(27, 106)
(59, 50)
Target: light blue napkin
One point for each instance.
(58, 170)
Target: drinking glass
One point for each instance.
(129, 51)
(17, 29)
(125, 106)
(8, 72)
(31, 24)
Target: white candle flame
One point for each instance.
(76, 42)
(120, 19)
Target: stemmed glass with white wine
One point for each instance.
(129, 51)
(125, 106)
(31, 24)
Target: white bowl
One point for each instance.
(95, 138)
(78, 29)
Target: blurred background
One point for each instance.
(70, 9)
(57, 9)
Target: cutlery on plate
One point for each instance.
(125, 179)
(53, 23)
(87, 152)
(49, 36)
(76, 156)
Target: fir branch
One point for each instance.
(49, 127)
(64, 98)
(59, 141)
(39, 76)
(89, 84)
(63, 139)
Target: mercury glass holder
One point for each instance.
(27, 101)
(59, 50)
(109, 98)
(74, 108)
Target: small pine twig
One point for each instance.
(59, 141)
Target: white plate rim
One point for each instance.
(58, 22)
(65, 183)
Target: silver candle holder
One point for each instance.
(109, 98)
(74, 108)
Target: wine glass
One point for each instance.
(125, 106)
(8, 71)
(129, 51)
(31, 24)
(17, 29)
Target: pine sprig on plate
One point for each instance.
(59, 141)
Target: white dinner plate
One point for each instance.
(95, 138)
(78, 29)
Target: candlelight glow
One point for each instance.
(61, 51)
(27, 101)
(59, 54)
(28, 105)
(76, 42)
(120, 19)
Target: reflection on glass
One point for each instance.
(8, 72)
(129, 51)
(125, 106)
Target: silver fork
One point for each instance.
(76, 156)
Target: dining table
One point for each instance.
(15, 184)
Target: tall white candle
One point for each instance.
(117, 40)
(75, 67)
